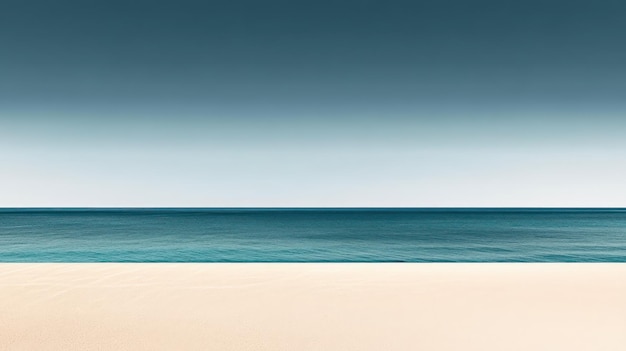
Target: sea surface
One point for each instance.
(312, 235)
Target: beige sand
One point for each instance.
(313, 307)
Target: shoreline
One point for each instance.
(312, 306)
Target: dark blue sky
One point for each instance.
(391, 86)
(303, 53)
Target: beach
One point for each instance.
(312, 306)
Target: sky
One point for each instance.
(248, 103)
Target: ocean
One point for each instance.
(312, 235)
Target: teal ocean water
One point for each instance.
(313, 235)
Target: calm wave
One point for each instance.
(313, 235)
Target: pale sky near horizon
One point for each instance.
(312, 103)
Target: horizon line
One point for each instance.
(305, 207)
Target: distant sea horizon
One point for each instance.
(312, 234)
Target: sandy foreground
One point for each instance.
(308, 306)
